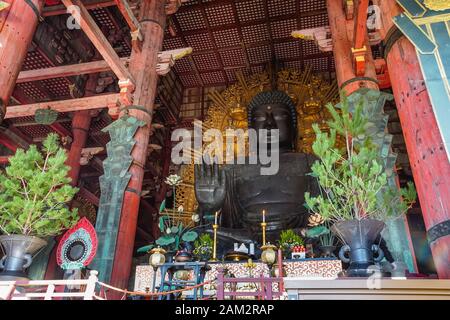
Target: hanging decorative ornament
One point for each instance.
(78, 246)
(45, 116)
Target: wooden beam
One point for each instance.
(89, 103)
(360, 24)
(65, 71)
(99, 40)
(89, 4)
(129, 17)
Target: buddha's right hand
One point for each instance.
(210, 186)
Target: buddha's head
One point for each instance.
(274, 110)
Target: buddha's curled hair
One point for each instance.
(273, 97)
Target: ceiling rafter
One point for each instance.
(298, 12)
(213, 41)
(190, 59)
(269, 29)
(241, 36)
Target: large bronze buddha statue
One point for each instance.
(241, 192)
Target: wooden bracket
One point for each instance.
(349, 8)
(359, 49)
(114, 110)
(126, 89)
(321, 36)
(359, 60)
(166, 59)
(384, 81)
(88, 153)
(136, 39)
(172, 6)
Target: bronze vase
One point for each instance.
(359, 249)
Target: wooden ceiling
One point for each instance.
(231, 35)
(226, 35)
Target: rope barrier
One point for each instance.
(145, 294)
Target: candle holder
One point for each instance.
(214, 257)
(263, 226)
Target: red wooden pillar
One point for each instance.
(17, 26)
(81, 123)
(143, 69)
(429, 161)
(342, 31)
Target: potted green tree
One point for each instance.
(289, 241)
(203, 247)
(355, 194)
(326, 238)
(34, 192)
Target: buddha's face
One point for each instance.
(271, 117)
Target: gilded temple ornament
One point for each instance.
(437, 5)
(4, 5)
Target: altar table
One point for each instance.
(302, 268)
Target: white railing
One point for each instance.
(50, 289)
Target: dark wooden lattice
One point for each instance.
(245, 34)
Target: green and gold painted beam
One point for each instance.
(3, 5)
(426, 23)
